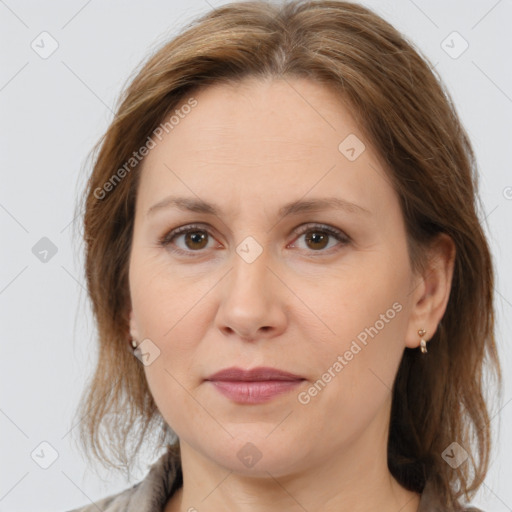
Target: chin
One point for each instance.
(256, 455)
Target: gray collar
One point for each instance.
(165, 477)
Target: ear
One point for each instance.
(431, 290)
(134, 331)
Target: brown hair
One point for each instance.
(405, 111)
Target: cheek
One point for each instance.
(363, 302)
(171, 322)
(173, 310)
(355, 370)
(367, 314)
(163, 299)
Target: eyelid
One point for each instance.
(338, 234)
(331, 230)
(169, 235)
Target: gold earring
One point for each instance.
(423, 342)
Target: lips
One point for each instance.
(254, 386)
(261, 373)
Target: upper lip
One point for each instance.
(261, 373)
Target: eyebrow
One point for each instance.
(295, 207)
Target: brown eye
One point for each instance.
(318, 237)
(186, 239)
(196, 239)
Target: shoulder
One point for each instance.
(431, 501)
(112, 503)
(148, 495)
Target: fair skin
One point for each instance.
(250, 149)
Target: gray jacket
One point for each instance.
(164, 478)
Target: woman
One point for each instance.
(281, 228)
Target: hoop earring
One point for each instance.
(423, 341)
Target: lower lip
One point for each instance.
(254, 392)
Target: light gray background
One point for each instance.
(52, 112)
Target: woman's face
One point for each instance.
(323, 292)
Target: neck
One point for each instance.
(353, 479)
(240, 496)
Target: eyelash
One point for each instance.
(166, 240)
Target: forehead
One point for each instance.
(258, 140)
(266, 115)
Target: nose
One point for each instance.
(252, 301)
